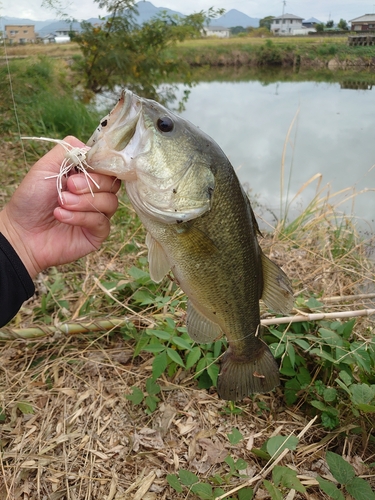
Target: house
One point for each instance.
(286, 24)
(218, 31)
(19, 33)
(364, 23)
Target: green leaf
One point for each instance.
(159, 364)
(245, 494)
(276, 444)
(213, 371)
(184, 344)
(322, 354)
(330, 489)
(312, 303)
(340, 469)
(240, 464)
(366, 408)
(362, 393)
(360, 489)
(136, 396)
(25, 408)
(291, 353)
(193, 357)
(329, 394)
(151, 387)
(235, 436)
(329, 421)
(288, 478)
(272, 490)
(187, 478)
(345, 377)
(330, 337)
(322, 407)
(175, 356)
(157, 347)
(161, 334)
(152, 402)
(203, 490)
(174, 482)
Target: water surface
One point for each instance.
(333, 135)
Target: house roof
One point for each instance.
(217, 28)
(288, 16)
(312, 20)
(365, 18)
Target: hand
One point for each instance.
(46, 231)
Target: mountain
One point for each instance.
(234, 18)
(146, 11)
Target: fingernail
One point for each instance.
(65, 214)
(70, 198)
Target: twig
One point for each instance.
(317, 317)
(269, 465)
(7, 333)
(349, 298)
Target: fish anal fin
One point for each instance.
(200, 328)
(240, 377)
(158, 261)
(277, 289)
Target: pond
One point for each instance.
(301, 128)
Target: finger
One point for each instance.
(96, 224)
(103, 202)
(80, 184)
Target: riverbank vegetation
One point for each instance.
(104, 395)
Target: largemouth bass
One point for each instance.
(202, 228)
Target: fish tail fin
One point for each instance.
(240, 377)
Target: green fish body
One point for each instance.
(202, 228)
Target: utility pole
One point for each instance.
(284, 3)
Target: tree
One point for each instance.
(119, 52)
(343, 25)
(266, 22)
(329, 24)
(319, 27)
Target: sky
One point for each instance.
(323, 10)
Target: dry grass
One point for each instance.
(70, 433)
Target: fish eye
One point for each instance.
(165, 124)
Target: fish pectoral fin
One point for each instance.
(277, 289)
(200, 328)
(158, 261)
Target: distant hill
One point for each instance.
(146, 11)
(234, 18)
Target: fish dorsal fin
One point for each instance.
(277, 289)
(158, 261)
(200, 328)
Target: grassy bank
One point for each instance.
(303, 52)
(104, 395)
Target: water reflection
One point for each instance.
(333, 134)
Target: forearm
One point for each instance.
(16, 285)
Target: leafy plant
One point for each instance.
(345, 475)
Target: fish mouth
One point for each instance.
(112, 137)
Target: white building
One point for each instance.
(218, 31)
(286, 24)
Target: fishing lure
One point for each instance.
(75, 157)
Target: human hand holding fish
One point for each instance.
(46, 230)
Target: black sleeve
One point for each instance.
(16, 286)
